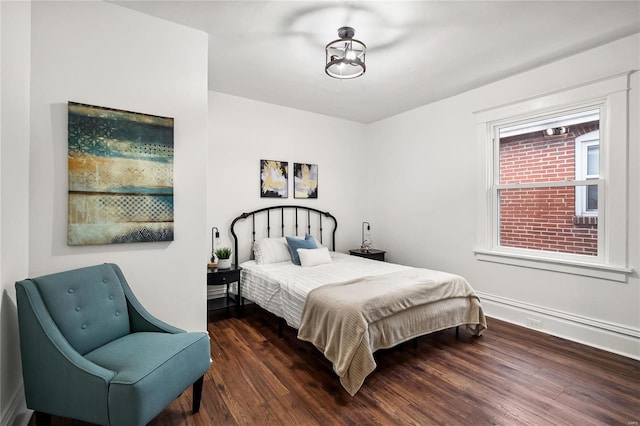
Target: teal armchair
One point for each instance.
(91, 352)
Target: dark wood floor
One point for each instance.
(509, 376)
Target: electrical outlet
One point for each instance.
(534, 323)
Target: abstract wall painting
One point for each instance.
(305, 180)
(120, 176)
(274, 179)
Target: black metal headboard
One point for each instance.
(286, 217)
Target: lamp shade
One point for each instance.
(345, 57)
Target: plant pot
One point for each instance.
(224, 263)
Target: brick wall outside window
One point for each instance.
(543, 218)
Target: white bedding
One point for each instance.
(285, 296)
(351, 307)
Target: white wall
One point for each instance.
(243, 131)
(14, 194)
(102, 54)
(430, 221)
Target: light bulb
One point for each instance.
(351, 55)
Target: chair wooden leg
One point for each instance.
(43, 419)
(197, 394)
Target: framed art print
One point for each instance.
(274, 179)
(305, 180)
(120, 168)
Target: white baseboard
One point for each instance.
(16, 412)
(604, 335)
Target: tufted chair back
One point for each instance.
(88, 305)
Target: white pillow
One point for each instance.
(271, 250)
(314, 257)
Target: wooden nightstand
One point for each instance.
(217, 277)
(374, 254)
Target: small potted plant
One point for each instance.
(224, 257)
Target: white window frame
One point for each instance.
(495, 186)
(583, 142)
(610, 95)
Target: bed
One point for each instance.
(346, 306)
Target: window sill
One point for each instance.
(606, 272)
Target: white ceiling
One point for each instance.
(418, 51)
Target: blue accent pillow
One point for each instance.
(296, 243)
(308, 236)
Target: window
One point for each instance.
(555, 170)
(542, 183)
(587, 149)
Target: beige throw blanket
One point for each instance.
(336, 317)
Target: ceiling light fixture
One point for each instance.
(345, 57)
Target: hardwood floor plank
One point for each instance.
(594, 403)
(523, 392)
(484, 389)
(509, 376)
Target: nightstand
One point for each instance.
(374, 254)
(225, 277)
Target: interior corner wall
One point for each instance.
(103, 54)
(432, 224)
(15, 35)
(242, 132)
